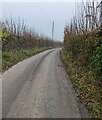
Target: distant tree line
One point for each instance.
(15, 34)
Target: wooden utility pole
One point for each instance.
(52, 30)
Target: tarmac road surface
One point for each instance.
(38, 87)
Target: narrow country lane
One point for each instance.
(38, 87)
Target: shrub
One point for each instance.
(97, 59)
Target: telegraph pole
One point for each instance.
(52, 30)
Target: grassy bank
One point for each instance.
(12, 57)
(85, 82)
(18, 42)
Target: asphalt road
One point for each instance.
(38, 87)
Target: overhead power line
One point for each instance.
(48, 18)
(43, 12)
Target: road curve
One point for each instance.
(38, 87)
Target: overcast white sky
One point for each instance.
(40, 15)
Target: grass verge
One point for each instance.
(85, 83)
(9, 58)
